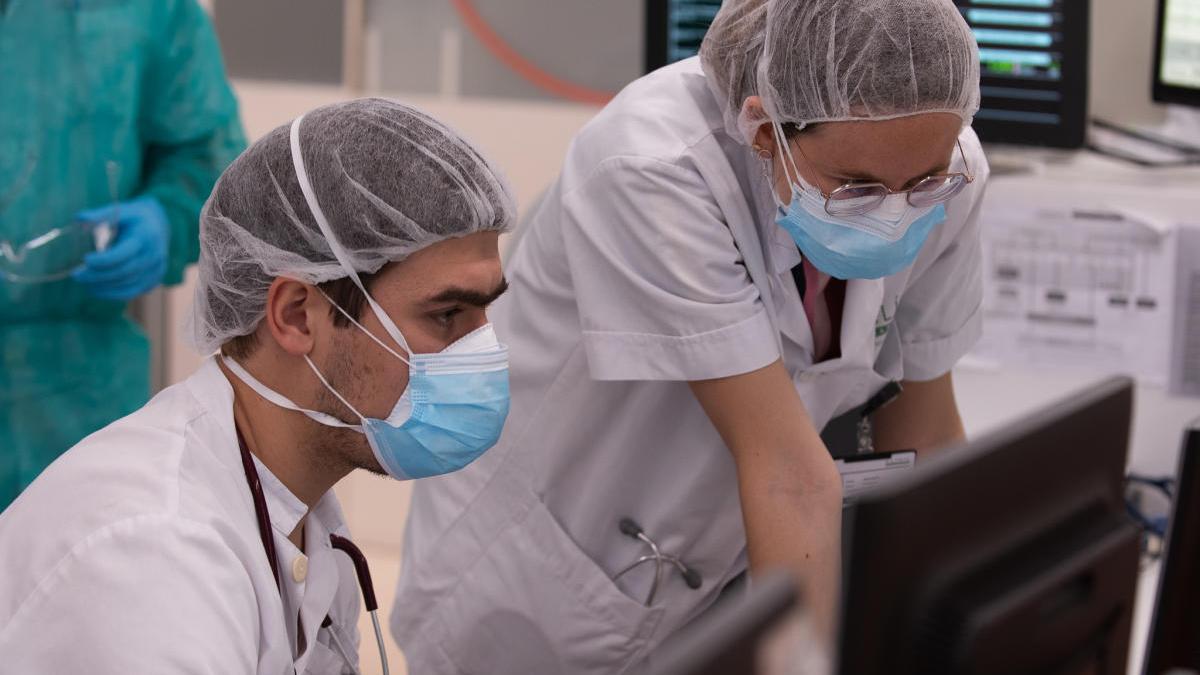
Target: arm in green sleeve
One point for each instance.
(190, 125)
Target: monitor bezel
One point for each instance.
(655, 56)
(1163, 647)
(1162, 92)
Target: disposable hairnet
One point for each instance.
(389, 179)
(834, 60)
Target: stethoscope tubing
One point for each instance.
(361, 570)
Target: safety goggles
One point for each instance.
(56, 254)
(856, 199)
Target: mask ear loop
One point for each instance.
(334, 245)
(283, 402)
(371, 335)
(328, 386)
(787, 158)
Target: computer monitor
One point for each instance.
(675, 28)
(730, 640)
(1033, 70)
(1177, 52)
(1033, 62)
(1014, 554)
(1175, 631)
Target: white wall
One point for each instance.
(1122, 50)
(412, 45)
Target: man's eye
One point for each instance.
(445, 317)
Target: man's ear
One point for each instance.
(293, 311)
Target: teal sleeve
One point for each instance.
(189, 124)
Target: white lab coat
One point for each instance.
(138, 552)
(653, 261)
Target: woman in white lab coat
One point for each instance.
(740, 247)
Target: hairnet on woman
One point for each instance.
(740, 248)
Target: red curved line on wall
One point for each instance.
(528, 70)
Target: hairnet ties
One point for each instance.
(334, 245)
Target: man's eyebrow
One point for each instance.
(469, 296)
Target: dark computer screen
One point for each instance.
(729, 641)
(1033, 56)
(1175, 634)
(1177, 52)
(1014, 554)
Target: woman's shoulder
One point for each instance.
(668, 115)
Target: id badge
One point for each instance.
(863, 474)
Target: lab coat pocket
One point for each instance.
(535, 603)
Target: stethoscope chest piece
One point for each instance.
(630, 528)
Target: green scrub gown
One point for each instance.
(85, 84)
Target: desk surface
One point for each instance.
(991, 398)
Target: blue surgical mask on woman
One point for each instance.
(451, 412)
(868, 246)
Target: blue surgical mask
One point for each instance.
(456, 401)
(452, 411)
(869, 246)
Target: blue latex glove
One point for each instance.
(136, 261)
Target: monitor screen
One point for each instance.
(1177, 52)
(674, 29)
(1033, 70)
(1033, 57)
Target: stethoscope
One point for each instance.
(339, 543)
(691, 577)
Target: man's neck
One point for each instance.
(280, 439)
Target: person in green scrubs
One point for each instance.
(115, 120)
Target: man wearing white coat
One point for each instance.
(346, 263)
(740, 247)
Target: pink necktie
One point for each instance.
(817, 310)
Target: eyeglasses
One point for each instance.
(856, 199)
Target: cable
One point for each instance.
(1147, 137)
(523, 67)
(1139, 161)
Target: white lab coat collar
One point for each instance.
(285, 507)
(863, 296)
(212, 390)
(781, 252)
(209, 387)
(313, 595)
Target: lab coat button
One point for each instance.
(300, 568)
